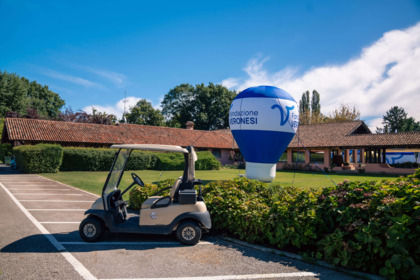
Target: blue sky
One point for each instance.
(91, 52)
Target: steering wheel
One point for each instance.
(137, 179)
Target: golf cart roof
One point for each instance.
(151, 147)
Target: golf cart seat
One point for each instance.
(162, 201)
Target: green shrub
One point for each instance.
(138, 195)
(369, 226)
(97, 159)
(175, 161)
(41, 158)
(407, 164)
(169, 161)
(5, 150)
(206, 161)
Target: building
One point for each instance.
(319, 145)
(349, 142)
(69, 134)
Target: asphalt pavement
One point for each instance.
(39, 240)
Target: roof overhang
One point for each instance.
(151, 147)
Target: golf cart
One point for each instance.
(182, 211)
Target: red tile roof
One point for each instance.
(68, 132)
(328, 135)
(346, 135)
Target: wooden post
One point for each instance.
(307, 157)
(384, 155)
(290, 156)
(362, 155)
(327, 157)
(347, 155)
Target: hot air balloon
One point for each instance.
(263, 121)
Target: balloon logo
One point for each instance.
(263, 121)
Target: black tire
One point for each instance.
(188, 233)
(91, 229)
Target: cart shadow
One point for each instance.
(39, 243)
(137, 242)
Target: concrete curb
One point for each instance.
(299, 257)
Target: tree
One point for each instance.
(206, 106)
(305, 108)
(344, 113)
(310, 108)
(17, 94)
(395, 120)
(83, 117)
(144, 113)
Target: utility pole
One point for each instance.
(125, 102)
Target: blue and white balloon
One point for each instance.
(263, 121)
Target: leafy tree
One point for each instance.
(410, 124)
(305, 108)
(206, 106)
(144, 113)
(344, 113)
(395, 120)
(17, 94)
(83, 117)
(310, 108)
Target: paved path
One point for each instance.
(39, 240)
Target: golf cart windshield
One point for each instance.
(117, 170)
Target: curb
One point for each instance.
(300, 258)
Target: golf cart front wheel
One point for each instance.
(91, 229)
(188, 233)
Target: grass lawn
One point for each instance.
(94, 181)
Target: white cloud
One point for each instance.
(71, 79)
(385, 74)
(117, 79)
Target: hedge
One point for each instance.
(95, 159)
(175, 161)
(369, 226)
(5, 151)
(41, 158)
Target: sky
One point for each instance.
(365, 53)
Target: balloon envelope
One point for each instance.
(263, 121)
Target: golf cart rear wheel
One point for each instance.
(91, 229)
(188, 233)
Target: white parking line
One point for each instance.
(36, 200)
(47, 194)
(69, 257)
(56, 210)
(133, 243)
(233, 277)
(30, 189)
(59, 223)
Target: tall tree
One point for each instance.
(310, 108)
(344, 113)
(144, 113)
(17, 94)
(395, 120)
(206, 106)
(316, 115)
(305, 108)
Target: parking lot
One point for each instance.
(39, 240)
